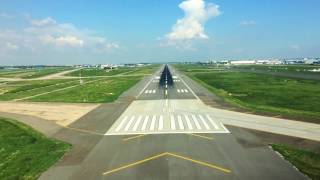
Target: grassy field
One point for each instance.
(99, 72)
(111, 72)
(307, 162)
(31, 73)
(25, 153)
(281, 68)
(21, 89)
(150, 69)
(296, 69)
(289, 97)
(104, 90)
(265, 93)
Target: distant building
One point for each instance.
(243, 62)
(108, 66)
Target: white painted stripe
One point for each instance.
(154, 91)
(204, 122)
(178, 90)
(129, 124)
(195, 120)
(190, 89)
(188, 122)
(185, 90)
(182, 90)
(147, 91)
(135, 127)
(172, 124)
(212, 122)
(180, 122)
(145, 122)
(153, 123)
(160, 123)
(121, 123)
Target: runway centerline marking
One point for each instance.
(206, 164)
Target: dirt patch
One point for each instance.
(62, 114)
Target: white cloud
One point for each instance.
(11, 46)
(49, 35)
(191, 26)
(6, 15)
(248, 23)
(43, 22)
(63, 41)
(295, 47)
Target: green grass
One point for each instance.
(25, 153)
(294, 98)
(111, 72)
(99, 72)
(104, 90)
(21, 89)
(46, 71)
(307, 162)
(32, 73)
(144, 70)
(280, 68)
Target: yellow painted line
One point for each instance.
(134, 137)
(136, 163)
(201, 136)
(167, 154)
(201, 163)
(85, 131)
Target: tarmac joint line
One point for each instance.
(172, 155)
(201, 136)
(134, 137)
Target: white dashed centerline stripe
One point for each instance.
(180, 122)
(182, 90)
(153, 123)
(121, 123)
(135, 127)
(196, 121)
(204, 122)
(145, 122)
(185, 90)
(160, 123)
(178, 90)
(129, 124)
(212, 122)
(188, 122)
(173, 125)
(154, 91)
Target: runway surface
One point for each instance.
(153, 134)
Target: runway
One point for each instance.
(168, 135)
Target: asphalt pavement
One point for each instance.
(148, 135)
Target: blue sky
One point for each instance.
(119, 31)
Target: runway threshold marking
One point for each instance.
(206, 164)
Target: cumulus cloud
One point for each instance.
(248, 23)
(11, 46)
(295, 47)
(49, 34)
(61, 41)
(43, 22)
(6, 15)
(191, 26)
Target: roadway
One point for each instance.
(144, 135)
